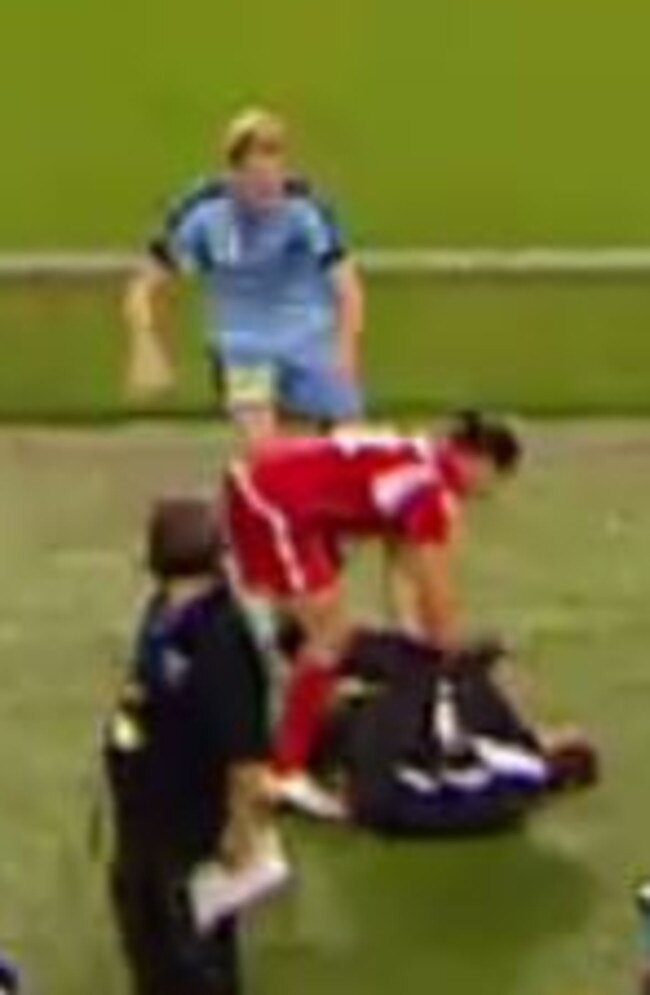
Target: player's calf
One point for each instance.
(310, 692)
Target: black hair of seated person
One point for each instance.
(183, 539)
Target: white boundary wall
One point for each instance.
(434, 262)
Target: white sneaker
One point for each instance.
(303, 794)
(216, 892)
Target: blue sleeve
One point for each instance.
(323, 233)
(181, 243)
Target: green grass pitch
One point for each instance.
(446, 121)
(433, 121)
(561, 562)
(541, 346)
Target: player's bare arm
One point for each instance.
(150, 368)
(350, 310)
(427, 568)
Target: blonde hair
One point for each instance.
(251, 128)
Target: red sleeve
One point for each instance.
(419, 508)
(427, 517)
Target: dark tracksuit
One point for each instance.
(195, 706)
(392, 730)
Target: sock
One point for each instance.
(308, 694)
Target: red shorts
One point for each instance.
(276, 553)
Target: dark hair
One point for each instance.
(183, 539)
(489, 437)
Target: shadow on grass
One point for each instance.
(372, 918)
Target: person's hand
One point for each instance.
(149, 371)
(481, 652)
(572, 757)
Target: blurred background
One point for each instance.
(434, 124)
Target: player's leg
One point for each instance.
(138, 909)
(298, 572)
(314, 599)
(248, 387)
(326, 629)
(317, 393)
(310, 693)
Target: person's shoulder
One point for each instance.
(212, 605)
(149, 622)
(315, 212)
(225, 648)
(303, 194)
(218, 614)
(201, 195)
(203, 627)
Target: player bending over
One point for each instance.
(285, 298)
(289, 507)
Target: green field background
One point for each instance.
(549, 348)
(432, 121)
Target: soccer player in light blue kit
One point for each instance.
(285, 299)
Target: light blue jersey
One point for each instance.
(266, 271)
(267, 275)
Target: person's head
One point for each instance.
(572, 758)
(255, 148)
(183, 540)
(483, 449)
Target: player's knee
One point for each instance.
(323, 621)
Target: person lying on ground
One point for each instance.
(422, 745)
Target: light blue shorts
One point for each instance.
(313, 390)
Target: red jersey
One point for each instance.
(290, 503)
(362, 483)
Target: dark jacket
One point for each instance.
(194, 705)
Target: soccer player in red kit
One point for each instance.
(291, 504)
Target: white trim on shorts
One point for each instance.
(278, 524)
